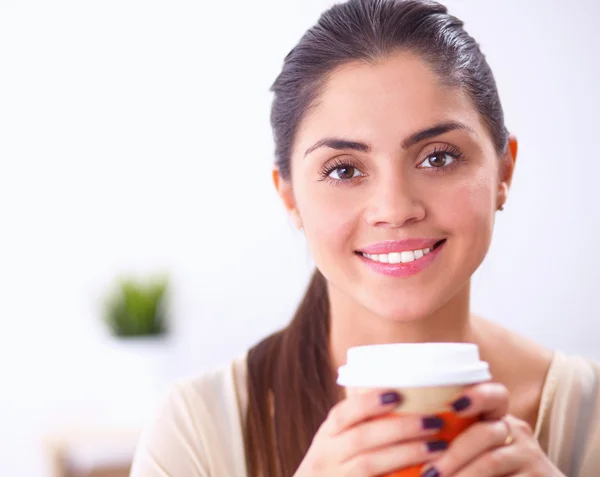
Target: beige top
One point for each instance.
(199, 429)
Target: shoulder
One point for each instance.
(225, 383)
(572, 414)
(576, 381)
(573, 379)
(198, 428)
(220, 393)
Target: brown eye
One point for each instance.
(437, 160)
(344, 173)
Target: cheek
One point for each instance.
(469, 209)
(329, 217)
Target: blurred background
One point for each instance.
(135, 146)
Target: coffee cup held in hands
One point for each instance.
(428, 375)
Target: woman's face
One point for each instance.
(395, 181)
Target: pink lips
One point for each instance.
(399, 246)
(401, 269)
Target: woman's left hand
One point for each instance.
(499, 445)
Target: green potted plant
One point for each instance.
(137, 308)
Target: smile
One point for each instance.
(401, 263)
(398, 257)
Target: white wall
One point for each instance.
(134, 136)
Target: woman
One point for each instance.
(392, 156)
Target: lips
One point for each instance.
(401, 258)
(399, 246)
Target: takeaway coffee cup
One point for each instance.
(428, 375)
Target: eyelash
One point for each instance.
(452, 151)
(338, 163)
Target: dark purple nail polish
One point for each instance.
(435, 446)
(433, 422)
(390, 398)
(431, 472)
(461, 404)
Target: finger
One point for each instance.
(388, 459)
(387, 430)
(500, 462)
(478, 440)
(489, 400)
(359, 407)
(518, 427)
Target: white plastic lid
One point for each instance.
(413, 365)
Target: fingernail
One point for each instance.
(431, 472)
(433, 422)
(435, 446)
(390, 398)
(461, 404)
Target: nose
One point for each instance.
(394, 203)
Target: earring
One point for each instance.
(501, 208)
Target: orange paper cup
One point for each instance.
(428, 376)
(454, 425)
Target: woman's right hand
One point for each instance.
(352, 442)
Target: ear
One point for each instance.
(507, 169)
(286, 194)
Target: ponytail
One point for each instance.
(291, 388)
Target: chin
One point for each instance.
(406, 312)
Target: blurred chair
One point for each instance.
(91, 453)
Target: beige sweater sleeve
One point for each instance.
(571, 431)
(198, 431)
(172, 445)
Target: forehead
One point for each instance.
(385, 101)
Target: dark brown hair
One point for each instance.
(291, 383)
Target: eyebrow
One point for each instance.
(338, 144)
(429, 133)
(433, 132)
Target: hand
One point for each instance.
(498, 446)
(352, 442)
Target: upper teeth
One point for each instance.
(398, 257)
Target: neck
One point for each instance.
(352, 325)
